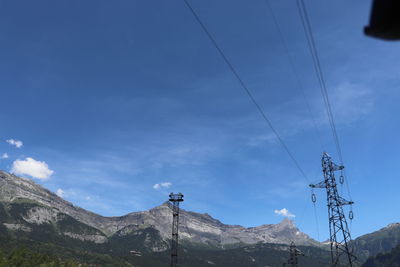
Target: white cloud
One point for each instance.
(33, 168)
(60, 192)
(88, 198)
(4, 156)
(285, 213)
(162, 185)
(16, 143)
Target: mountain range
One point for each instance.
(33, 216)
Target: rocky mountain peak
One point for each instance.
(194, 227)
(287, 223)
(166, 203)
(392, 225)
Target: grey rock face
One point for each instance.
(194, 227)
(98, 239)
(17, 227)
(40, 215)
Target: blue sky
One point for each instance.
(111, 99)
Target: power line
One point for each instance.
(317, 66)
(302, 90)
(321, 79)
(295, 74)
(315, 214)
(246, 89)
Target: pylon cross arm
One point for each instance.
(336, 167)
(319, 185)
(343, 201)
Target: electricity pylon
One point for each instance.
(175, 199)
(341, 254)
(294, 253)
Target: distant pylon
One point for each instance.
(341, 254)
(294, 253)
(175, 199)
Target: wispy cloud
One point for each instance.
(174, 154)
(285, 213)
(4, 156)
(29, 166)
(349, 102)
(352, 102)
(162, 185)
(66, 193)
(16, 143)
(263, 139)
(60, 192)
(291, 189)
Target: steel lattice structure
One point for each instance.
(341, 253)
(175, 199)
(294, 253)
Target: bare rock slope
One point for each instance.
(194, 227)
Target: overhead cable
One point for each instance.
(295, 74)
(246, 89)
(321, 79)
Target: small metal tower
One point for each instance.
(294, 253)
(175, 199)
(341, 254)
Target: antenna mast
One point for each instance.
(338, 228)
(175, 199)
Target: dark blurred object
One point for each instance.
(385, 20)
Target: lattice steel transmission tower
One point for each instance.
(341, 254)
(175, 199)
(294, 253)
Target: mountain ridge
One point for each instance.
(196, 227)
(33, 215)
